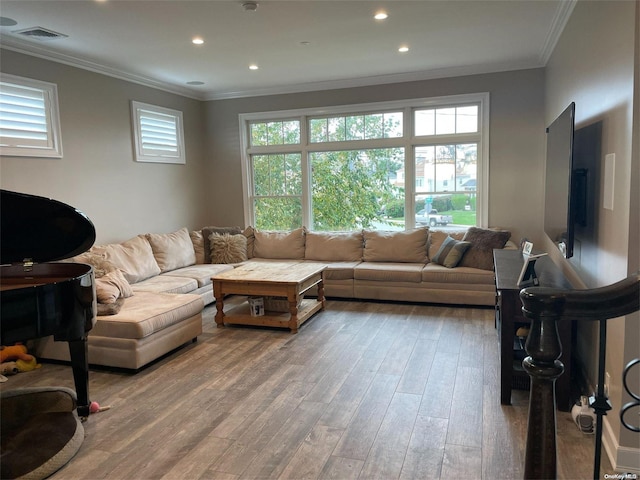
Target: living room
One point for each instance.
(594, 64)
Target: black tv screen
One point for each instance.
(559, 209)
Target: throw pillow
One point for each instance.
(483, 241)
(227, 248)
(112, 286)
(450, 252)
(172, 250)
(206, 233)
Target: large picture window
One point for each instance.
(392, 165)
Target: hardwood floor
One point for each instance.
(364, 390)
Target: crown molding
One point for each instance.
(16, 45)
(563, 13)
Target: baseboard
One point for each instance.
(623, 459)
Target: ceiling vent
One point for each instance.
(40, 33)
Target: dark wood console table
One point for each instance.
(509, 318)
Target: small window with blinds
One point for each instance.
(29, 118)
(158, 134)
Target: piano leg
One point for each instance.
(78, 351)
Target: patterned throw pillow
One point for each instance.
(450, 252)
(227, 248)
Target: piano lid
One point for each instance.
(41, 229)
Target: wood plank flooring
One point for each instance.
(365, 390)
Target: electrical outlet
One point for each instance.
(607, 382)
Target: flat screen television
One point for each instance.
(564, 184)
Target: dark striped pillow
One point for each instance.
(450, 252)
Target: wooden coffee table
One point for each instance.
(278, 279)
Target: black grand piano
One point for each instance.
(39, 297)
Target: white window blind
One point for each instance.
(158, 134)
(29, 121)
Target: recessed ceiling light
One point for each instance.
(253, 66)
(197, 41)
(403, 49)
(381, 16)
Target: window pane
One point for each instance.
(425, 122)
(466, 167)
(278, 174)
(318, 130)
(425, 168)
(336, 129)
(374, 126)
(261, 175)
(355, 128)
(445, 121)
(467, 119)
(393, 125)
(278, 213)
(275, 133)
(445, 168)
(357, 189)
(258, 134)
(291, 132)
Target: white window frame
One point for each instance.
(408, 141)
(22, 145)
(143, 154)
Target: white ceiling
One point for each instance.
(150, 41)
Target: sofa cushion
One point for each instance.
(334, 246)
(166, 284)
(280, 245)
(206, 233)
(198, 245)
(134, 257)
(389, 271)
(450, 252)
(396, 246)
(227, 248)
(483, 241)
(438, 274)
(200, 273)
(172, 250)
(337, 270)
(146, 313)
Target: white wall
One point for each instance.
(97, 173)
(593, 65)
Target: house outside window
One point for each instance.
(29, 118)
(367, 166)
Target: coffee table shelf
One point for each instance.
(241, 315)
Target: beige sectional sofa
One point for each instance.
(391, 265)
(163, 281)
(164, 293)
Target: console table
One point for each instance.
(508, 264)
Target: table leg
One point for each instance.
(293, 310)
(217, 292)
(321, 292)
